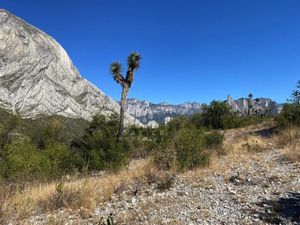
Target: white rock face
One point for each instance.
(38, 78)
(146, 111)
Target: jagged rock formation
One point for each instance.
(163, 113)
(38, 78)
(258, 106)
(146, 111)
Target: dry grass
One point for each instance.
(5, 194)
(287, 136)
(81, 193)
(289, 140)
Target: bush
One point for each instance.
(183, 150)
(214, 140)
(99, 147)
(189, 144)
(141, 141)
(215, 115)
(23, 161)
(290, 116)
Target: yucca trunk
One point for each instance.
(125, 89)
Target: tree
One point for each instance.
(133, 62)
(216, 115)
(295, 97)
(250, 104)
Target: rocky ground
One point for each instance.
(242, 188)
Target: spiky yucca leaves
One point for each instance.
(133, 60)
(116, 70)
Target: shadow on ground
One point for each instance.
(267, 132)
(282, 210)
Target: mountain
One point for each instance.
(258, 106)
(147, 112)
(37, 77)
(153, 114)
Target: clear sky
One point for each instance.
(193, 50)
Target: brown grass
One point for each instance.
(84, 193)
(289, 140)
(287, 136)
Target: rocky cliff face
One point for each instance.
(258, 106)
(146, 111)
(151, 114)
(38, 78)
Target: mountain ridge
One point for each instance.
(159, 113)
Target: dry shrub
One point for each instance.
(287, 135)
(164, 180)
(292, 151)
(289, 140)
(254, 144)
(63, 197)
(5, 194)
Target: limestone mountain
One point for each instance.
(258, 106)
(146, 111)
(37, 77)
(152, 114)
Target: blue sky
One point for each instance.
(193, 50)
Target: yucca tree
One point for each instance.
(133, 62)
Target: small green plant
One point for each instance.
(165, 182)
(107, 220)
(214, 140)
(63, 197)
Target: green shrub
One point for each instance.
(99, 147)
(22, 161)
(60, 161)
(141, 141)
(290, 116)
(184, 149)
(189, 144)
(214, 140)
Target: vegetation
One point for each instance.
(183, 146)
(295, 97)
(51, 148)
(98, 146)
(290, 115)
(133, 62)
(218, 115)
